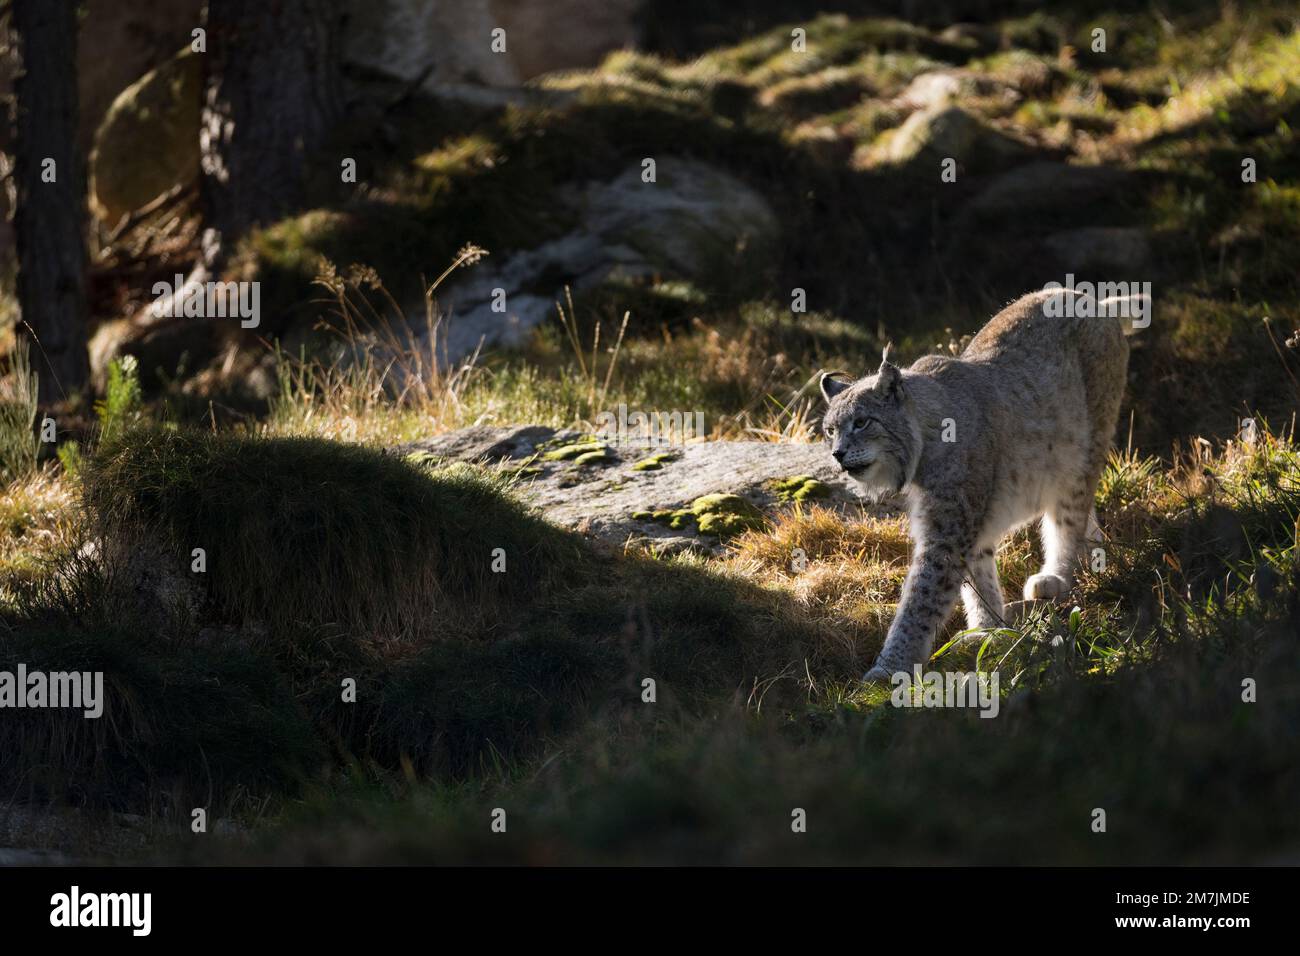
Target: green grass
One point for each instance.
(185, 723)
(18, 410)
(1136, 709)
(1186, 771)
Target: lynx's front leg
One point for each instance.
(929, 595)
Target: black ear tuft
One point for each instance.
(832, 387)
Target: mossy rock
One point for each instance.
(800, 488)
(569, 438)
(944, 132)
(160, 109)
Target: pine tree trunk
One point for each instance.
(273, 93)
(49, 215)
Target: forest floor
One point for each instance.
(348, 656)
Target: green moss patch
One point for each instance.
(599, 456)
(800, 488)
(726, 514)
(719, 515)
(575, 450)
(656, 461)
(423, 458)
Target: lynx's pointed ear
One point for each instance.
(889, 380)
(832, 387)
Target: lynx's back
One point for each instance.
(1023, 336)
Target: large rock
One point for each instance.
(937, 89)
(692, 215)
(615, 496)
(694, 219)
(1041, 187)
(942, 132)
(1100, 248)
(148, 141)
(121, 41)
(565, 34)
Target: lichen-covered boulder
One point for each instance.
(696, 496)
(148, 141)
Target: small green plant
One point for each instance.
(17, 415)
(1128, 477)
(70, 458)
(122, 401)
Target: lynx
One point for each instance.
(1015, 429)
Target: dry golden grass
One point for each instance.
(38, 516)
(823, 535)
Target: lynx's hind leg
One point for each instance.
(981, 593)
(1063, 530)
(1068, 529)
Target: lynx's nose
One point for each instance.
(838, 455)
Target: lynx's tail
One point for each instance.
(1133, 311)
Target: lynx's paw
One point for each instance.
(883, 674)
(1046, 587)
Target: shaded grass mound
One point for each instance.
(350, 620)
(349, 615)
(181, 726)
(302, 532)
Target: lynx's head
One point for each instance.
(872, 429)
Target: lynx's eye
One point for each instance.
(860, 423)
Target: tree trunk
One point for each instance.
(50, 209)
(272, 96)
